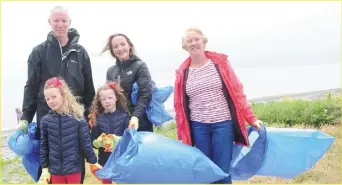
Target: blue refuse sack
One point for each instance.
(293, 151)
(31, 163)
(246, 162)
(149, 158)
(155, 111)
(24, 145)
(284, 152)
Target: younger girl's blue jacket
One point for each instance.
(109, 123)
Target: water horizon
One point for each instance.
(268, 82)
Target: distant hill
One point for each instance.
(304, 95)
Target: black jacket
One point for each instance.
(46, 61)
(109, 123)
(62, 141)
(126, 73)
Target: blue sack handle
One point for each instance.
(246, 161)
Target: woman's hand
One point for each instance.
(134, 123)
(257, 124)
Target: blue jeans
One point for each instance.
(215, 140)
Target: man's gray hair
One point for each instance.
(59, 8)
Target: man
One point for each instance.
(60, 55)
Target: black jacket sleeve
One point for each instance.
(44, 144)
(89, 90)
(31, 88)
(144, 90)
(85, 142)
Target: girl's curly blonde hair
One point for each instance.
(96, 106)
(70, 104)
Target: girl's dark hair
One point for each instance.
(110, 48)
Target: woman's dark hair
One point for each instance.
(110, 48)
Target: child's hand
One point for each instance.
(45, 177)
(99, 141)
(94, 168)
(110, 141)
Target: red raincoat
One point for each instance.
(240, 109)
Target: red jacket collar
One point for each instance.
(217, 58)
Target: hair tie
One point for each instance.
(55, 82)
(112, 85)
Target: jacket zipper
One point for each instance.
(61, 146)
(63, 56)
(119, 77)
(109, 119)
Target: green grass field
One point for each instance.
(323, 114)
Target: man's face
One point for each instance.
(59, 21)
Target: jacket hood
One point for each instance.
(73, 35)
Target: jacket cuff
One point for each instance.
(44, 165)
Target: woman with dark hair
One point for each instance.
(128, 70)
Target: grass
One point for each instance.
(323, 114)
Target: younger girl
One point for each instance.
(110, 118)
(64, 134)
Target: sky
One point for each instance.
(274, 47)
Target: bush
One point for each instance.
(290, 112)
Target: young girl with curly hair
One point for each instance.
(64, 135)
(109, 120)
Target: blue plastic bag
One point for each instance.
(24, 145)
(155, 111)
(146, 157)
(279, 152)
(31, 163)
(293, 151)
(246, 162)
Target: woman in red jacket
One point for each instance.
(211, 108)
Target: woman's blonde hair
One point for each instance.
(70, 105)
(121, 104)
(196, 30)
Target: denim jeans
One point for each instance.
(215, 140)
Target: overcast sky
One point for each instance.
(267, 42)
